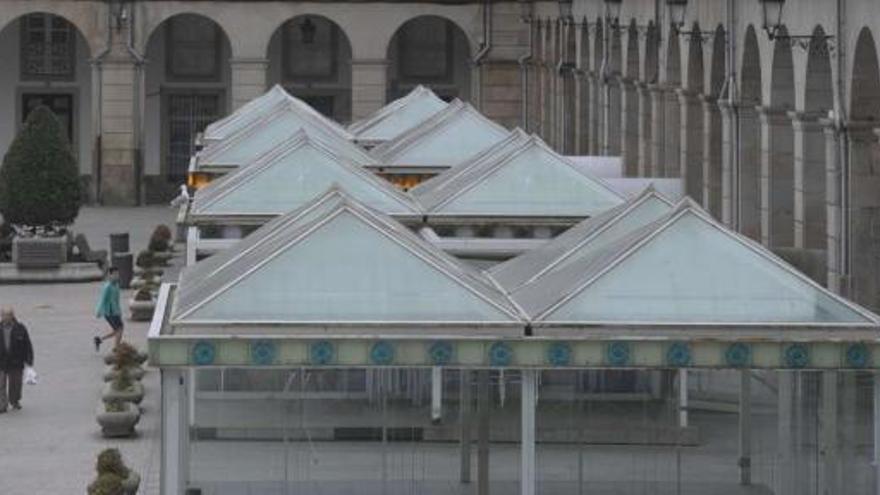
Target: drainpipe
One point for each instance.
(524, 62)
(485, 47)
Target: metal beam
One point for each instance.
(745, 427)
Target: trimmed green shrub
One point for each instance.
(106, 484)
(110, 462)
(39, 180)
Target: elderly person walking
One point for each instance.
(110, 309)
(16, 351)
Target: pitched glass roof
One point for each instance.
(340, 262)
(398, 116)
(529, 179)
(448, 138)
(291, 175)
(271, 101)
(582, 240)
(684, 268)
(262, 135)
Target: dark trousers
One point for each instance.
(10, 380)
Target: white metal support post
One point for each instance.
(528, 480)
(483, 432)
(175, 432)
(745, 427)
(682, 398)
(464, 411)
(828, 435)
(876, 434)
(436, 394)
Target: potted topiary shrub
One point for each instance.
(123, 388)
(142, 304)
(118, 418)
(40, 191)
(161, 245)
(122, 351)
(125, 359)
(114, 477)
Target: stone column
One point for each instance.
(729, 169)
(612, 121)
(777, 178)
(833, 207)
(368, 86)
(809, 181)
(582, 123)
(658, 97)
(712, 156)
(748, 177)
(597, 114)
(248, 79)
(645, 126)
(629, 127)
(862, 265)
(672, 134)
(691, 149)
(120, 102)
(502, 91)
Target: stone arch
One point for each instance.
(864, 165)
(630, 103)
(408, 66)
(712, 142)
(536, 76)
(87, 23)
(672, 120)
(584, 96)
(187, 87)
(47, 61)
(310, 55)
(652, 55)
(569, 109)
(749, 185)
(614, 104)
(648, 142)
(160, 17)
(547, 70)
(599, 45)
(778, 151)
(692, 135)
(597, 97)
(810, 172)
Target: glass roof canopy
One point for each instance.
(518, 177)
(449, 137)
(398, 116)
(291, 175)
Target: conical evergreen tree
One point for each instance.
(39, 180)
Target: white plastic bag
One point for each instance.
(30, 376)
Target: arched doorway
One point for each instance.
(432, 51)
(310, 56)
(864, 164)
(749, 186)
(712, 142)
(47, 62)
(810, 170)
(778, 149)
(672, 148)
(187, 88)
(692, 120)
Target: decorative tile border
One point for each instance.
(513, 353)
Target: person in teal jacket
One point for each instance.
(110, 309)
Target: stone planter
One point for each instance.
(111, 358)
(134, 394)
(131, 484)
(141, 310)
(118, 424)
(163, 256)
(39, 252)
(136, 373)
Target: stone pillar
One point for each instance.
(645, 126)
(368, 86)
(712, 156)
(120, 102)
(248, 79)
(809, 181)
(658, 129)
(833, 208)
(691, 151)
(629, 127)
(777, 178)
(729, 169)
(501, 91)
(748, 176)
(597, 114)
(862, 265)
(612, 121)
(672, 134)
(582, 123)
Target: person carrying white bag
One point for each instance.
(16, 355)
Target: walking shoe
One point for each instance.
(16, 406)
(97, 341)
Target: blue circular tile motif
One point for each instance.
(203, 353)
(679, 355)
(440, 353)
(322, 352)
(559, 354)
(263, 352)
(618, 353)
(858, 355)
(797, 356)
(738, 355)
(382, 353)
(500, 354)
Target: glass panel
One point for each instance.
(453, 142)
(48, 46)
(420, 105)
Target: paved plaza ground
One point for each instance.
(49, 447)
